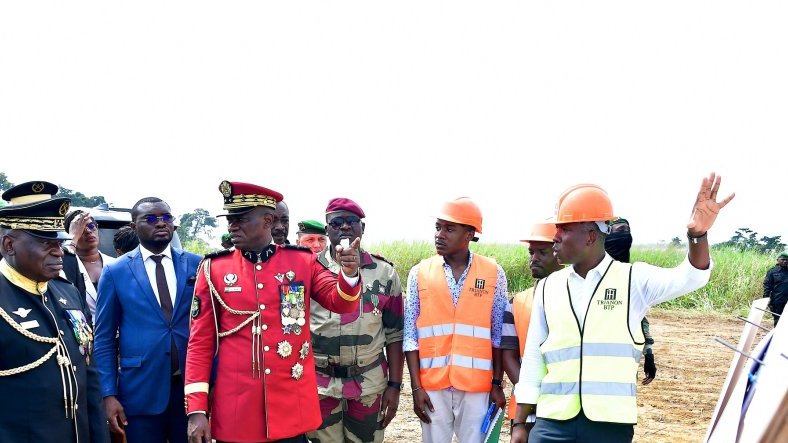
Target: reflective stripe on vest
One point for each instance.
(457, 360)
(449, 329)
(455, 346)
(594, 368)
(521, 310)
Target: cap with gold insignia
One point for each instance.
(240, 198)
(311, 227)
(33, 208)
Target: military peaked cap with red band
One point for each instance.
(344, 204)
(243, 197)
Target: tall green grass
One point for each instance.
(736, 280)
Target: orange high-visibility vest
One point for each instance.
(455, 346)
(521, 310)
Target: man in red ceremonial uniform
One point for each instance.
(251, 309)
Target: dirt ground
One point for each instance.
(677, 406)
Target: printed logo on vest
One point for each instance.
(479, 283)
(610, 302)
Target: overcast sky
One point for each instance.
(403, 105)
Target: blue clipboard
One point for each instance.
(488, 418)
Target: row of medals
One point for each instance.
(293, 318)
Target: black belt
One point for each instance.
(337, 371)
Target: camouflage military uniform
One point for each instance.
(646, 326)
(344, 344)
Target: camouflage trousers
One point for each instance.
(354, 420)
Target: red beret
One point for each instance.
(243, 197)
(344, 204)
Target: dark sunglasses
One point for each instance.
(152, 219)
(338, 222)
(91, 226)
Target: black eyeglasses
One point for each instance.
(152, 219)
(338, 222)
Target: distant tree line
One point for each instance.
(745, 239)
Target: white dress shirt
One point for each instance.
(169, 271)
(650, 285)
(91, 292)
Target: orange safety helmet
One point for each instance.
(541, 232)
(584, 203)
(463, 211)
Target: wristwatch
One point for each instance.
(499, 382)
(395, 385)
(696, 240)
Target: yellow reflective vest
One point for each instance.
(455, 345)
(593, 368)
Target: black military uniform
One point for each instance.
(49, 390)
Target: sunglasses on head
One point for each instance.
(153, 219)
(338, 222)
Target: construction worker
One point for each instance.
(453, 316)
(518, 312)
(580, 364)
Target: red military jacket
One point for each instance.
(257, 315)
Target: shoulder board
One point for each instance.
(218, 253)
(297, 248)
(380, 257)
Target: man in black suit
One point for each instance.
(49, 388)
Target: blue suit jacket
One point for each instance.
(128, 306)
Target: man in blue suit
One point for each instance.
(142, 317)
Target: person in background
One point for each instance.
(281, 227)
(617, 245)
(775, 286)
(125, 240)
(83, 262)
(312, 235)
(227, 242)
(517, 316)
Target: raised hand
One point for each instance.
(349, 258)
(706, 206)
(77, 226)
